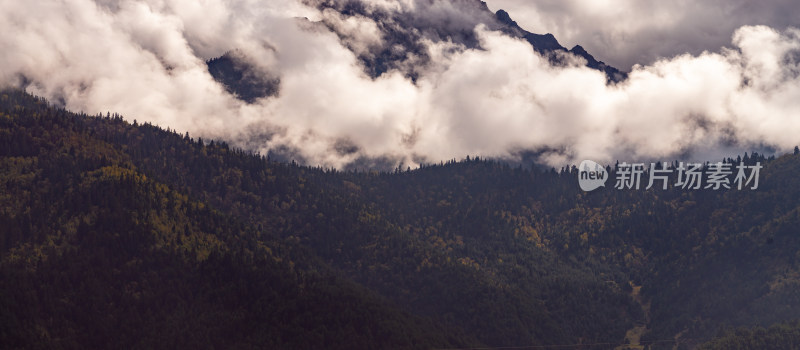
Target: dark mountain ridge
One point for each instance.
(125, 235)
(403, 49)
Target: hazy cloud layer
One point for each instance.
(627, 32)
(146, 60)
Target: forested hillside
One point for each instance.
(116, 234)
(96, 254)
(779, 336)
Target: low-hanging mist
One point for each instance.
(146, 59)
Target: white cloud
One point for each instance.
(145, 60)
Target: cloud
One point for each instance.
(146, 60)
(505, 98)
(626, 32)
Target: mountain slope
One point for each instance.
(320, 211)
(779, 336)
(104, 222)
(404, 34)
(97, 255)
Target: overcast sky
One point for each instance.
(145, 59)
(626, 32)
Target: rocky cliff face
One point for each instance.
(390, 35)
